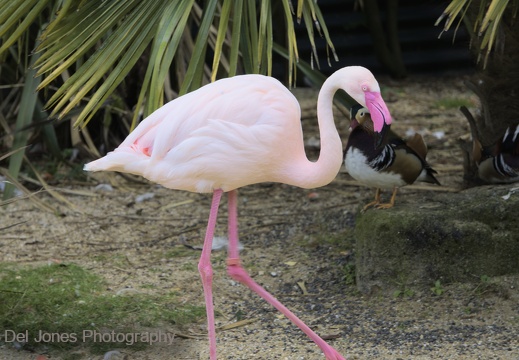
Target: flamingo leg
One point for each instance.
(206, 272)
(238, 273)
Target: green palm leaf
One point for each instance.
(486, 22)
(99, 42)
(169, 37)
(17, 16)
(27, 106)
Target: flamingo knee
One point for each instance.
(206, 272)
(236, 271)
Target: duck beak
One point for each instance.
(353, 124)
(379, 114)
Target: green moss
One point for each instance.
(67, 299)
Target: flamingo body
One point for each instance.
(185, 144)
(236, 132)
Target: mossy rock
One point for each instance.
(451, 237)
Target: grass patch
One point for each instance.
(341, 241)
(178, 251)
(402, 287)
(453, 103)
(349, 275)
(437, 289)
(67, 299)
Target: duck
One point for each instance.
(384, 161)
(499, 164)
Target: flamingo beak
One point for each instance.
(379, 136)
(379, 114)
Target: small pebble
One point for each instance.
(104, 187)
(144, 197)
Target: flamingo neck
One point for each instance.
(324, 170)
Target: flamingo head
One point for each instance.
(362, 86)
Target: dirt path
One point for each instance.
(291, 236)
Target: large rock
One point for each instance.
(451, 237)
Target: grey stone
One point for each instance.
(451, 237)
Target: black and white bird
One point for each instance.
(388, 162)
(499, 164)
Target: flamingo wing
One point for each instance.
(241, 125)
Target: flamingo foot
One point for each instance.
(238, 273)
(332, 354)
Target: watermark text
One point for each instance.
(128, 338)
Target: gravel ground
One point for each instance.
(284, 231)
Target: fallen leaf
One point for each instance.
(302, 285)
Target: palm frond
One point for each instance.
(487, 20)
(293, 55)
(193, 79)
(236, 32)
(16, 17)
(222, 33)
(316, 78)
(28, 103)
(169, 36)
(99, 42)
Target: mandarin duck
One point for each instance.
(385, 161)
(499, 164)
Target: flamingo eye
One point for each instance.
(364, 87)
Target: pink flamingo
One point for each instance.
(235, 132)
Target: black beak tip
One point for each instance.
(378, 140)
(380, 136)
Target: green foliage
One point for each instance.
(402, 289)
(487, 22)
(484, 279)
(485, 285)
(28, 102)
(179, 251)
(85, 56)
(437, 289)
(67, 299)
(98, 42)
(349, 276)
(452, 103)
(403, 292)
